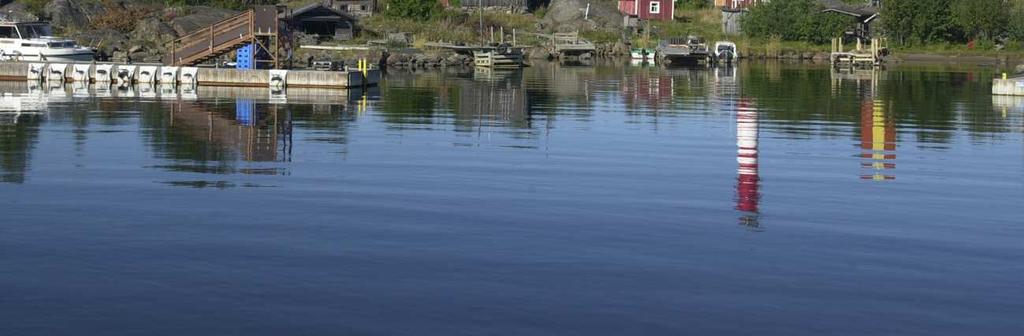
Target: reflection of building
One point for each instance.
(877, 141)
(651, 91)
(748, 181)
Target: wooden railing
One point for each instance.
(212, 41)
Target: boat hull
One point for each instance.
(56, 57)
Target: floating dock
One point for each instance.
(159, 74)
(1008, 86)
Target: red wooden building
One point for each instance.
(662, 10)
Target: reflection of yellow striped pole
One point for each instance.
(878, 140)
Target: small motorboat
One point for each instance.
(726, 52)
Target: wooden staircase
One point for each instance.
(218, 39)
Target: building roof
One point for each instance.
(310, 9)
(863, 11)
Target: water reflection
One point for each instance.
(749, 180)
(877, 126)
(878, 141)
(200, 130)
(211, 128)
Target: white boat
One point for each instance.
(641, 54)
(726, 51)
(34, 41)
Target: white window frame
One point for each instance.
(654, 7)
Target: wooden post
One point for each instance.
(513, 36)
(211, 36)
(492, 34)
(502, 33)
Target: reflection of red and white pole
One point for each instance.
(746, 140)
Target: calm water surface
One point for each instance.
(770, 199)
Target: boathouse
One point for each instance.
(321, 21)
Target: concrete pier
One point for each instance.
(1008, 87)
(157, 74)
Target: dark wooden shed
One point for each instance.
(321, 21)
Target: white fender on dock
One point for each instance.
(124, 74)
(188, 75)
(169, 75)
(103, 73)
(57, 72)
(147, 74)
(36, 71)
(278, 78)
(81, 73)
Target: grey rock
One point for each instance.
(16, 11)
(1020, 69)
(568, 15)
(153, 31)
(200, 17)
(72, 15)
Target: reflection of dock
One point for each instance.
(498, 95)
(253, 132)
(1008, 86)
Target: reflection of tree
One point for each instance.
(17, 138)
(408, 105)
(482, 98)
(181, 141)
